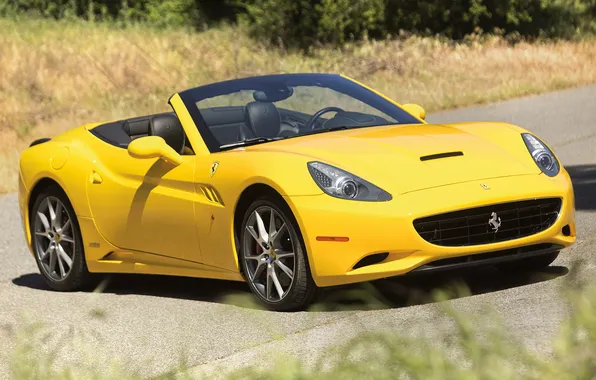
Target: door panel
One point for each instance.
(145, 204)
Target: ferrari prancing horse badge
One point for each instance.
(213, 168)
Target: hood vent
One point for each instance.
(441, 155)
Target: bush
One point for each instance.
(172, 13)
(457, 18)
(305, 23)
(353, 19)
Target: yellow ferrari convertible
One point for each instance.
(291, 183)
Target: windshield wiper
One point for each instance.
(315, 131)
(338, 128)
(251, 141)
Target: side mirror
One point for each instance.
(154, 147)
(415, 110)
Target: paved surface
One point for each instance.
(152, 323)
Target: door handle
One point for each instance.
(95, 177)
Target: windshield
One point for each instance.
(261, 109)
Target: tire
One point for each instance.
(530, 263)
(265, 262)
(64, 235)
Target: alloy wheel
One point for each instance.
(269, 253)
(54, 241)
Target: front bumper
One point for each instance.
(379, 227)
(23, 194)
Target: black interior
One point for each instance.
(353, 119)
(166, 125)
(169, 128)
(228, 125)
(263, 119)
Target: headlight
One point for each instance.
(341, 184)
(544, 158)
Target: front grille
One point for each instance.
(472, 226)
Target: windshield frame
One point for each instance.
(192, 96)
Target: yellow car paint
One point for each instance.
(379, 227)
(415, 109)
(145, 204)
(148, 215)
(154, 147)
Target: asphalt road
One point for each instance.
(152, 323)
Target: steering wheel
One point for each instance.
(310, 124)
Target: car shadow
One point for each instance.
(422, 289)
(584, 185)
(396, 292)
(198, 289)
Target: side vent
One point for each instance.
(108, 256)
(211, 194)
(441, 155)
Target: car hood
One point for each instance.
(400, 159)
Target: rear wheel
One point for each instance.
(273, 256)
(530, 263)
(57, 242)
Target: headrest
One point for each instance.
(137, 127)
(168, 127)
(263, 118)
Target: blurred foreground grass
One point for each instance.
(57, 75)
(476, 346)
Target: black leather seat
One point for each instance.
(137, 127)
(168, 127)
(263, 119)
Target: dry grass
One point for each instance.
(54, 76)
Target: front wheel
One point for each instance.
(530, 263)
(273, 256)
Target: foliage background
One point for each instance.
(306, 23)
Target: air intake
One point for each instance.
(375, 258)
(489, 224)
(441, 155)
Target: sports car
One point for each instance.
(291, 182)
